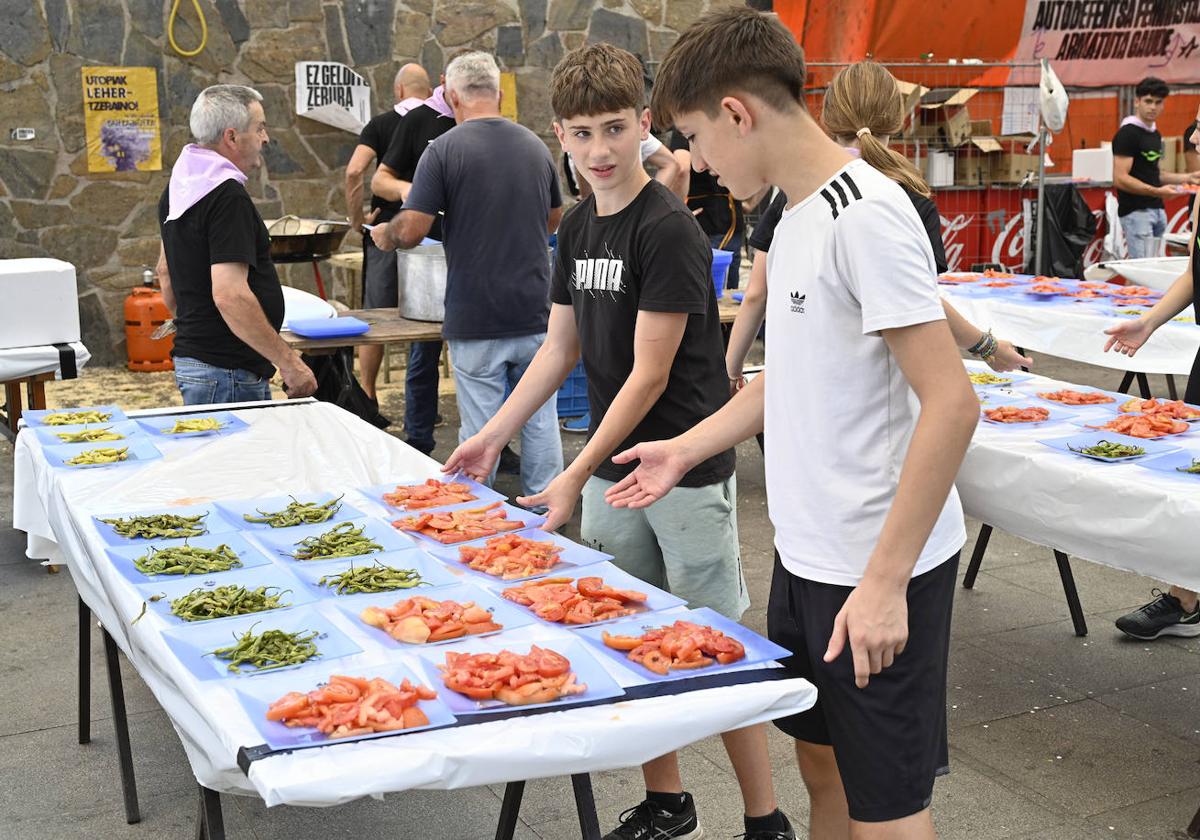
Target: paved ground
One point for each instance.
(1052, 737)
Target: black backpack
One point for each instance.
(337, 384)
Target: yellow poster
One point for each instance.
(508, 96)
(120, 110)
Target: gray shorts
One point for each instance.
(686, 543)
(379, 277)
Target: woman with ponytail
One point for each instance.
(863, 110)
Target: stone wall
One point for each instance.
(106, 224)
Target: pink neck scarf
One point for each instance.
(196, 173)
(1139, 122)
(406, 105)
(438, 102)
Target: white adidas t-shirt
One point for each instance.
(846, 262)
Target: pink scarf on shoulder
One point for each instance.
(197, 172)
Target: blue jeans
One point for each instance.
(203, 384)
(421, 394)
(483, 370)
(1140, 227)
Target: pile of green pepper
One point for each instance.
(1109, 449)
(374, 578)
(89, 435)
(1194, 469)
(71, 418)
(269, 650)
(164, 525)
(187, 560)
(98, 456)
(342, 540)
(224, 601)
(298, 513)
(198, 424)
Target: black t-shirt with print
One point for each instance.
(377, 135)
(1146, 149)
(653, 257)
(415, 131)
(222, 227)
(722, 214)
(764, 231)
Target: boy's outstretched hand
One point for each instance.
(475, 457)
(559, 498)
(663, 464)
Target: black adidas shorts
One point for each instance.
(890, 737)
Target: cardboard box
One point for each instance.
(41, 304)
(973, 162)
(912, 93)
(1092, 164)
(943, 117)
(981, 128)
(1013, 167)
(1172, 154)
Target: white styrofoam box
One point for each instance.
(1092, 164)
(41, 305)
(939, 169)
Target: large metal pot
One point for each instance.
(421, 281)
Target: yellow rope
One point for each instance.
(203, 30)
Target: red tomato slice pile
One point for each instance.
(1176, 409)
(1068, 397)
(1047, 289)
(431, 494)
(1132, 291)
(511, 557)
(566, 601)
(347, 706)
(455, 526)
(540, 676)
(1014, 414)
(418, 620)
(1145, 426)
(683, 644)
(992, 274)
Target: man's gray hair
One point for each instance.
(474, 74)
(220, 107)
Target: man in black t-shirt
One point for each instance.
(1141, 186)
(215, 266)
(392, 181)
(720, 215)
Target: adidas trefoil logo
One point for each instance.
(798, 302)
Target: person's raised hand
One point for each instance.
(381, 235)
(559, 498)
(1007, 358)
(475, 457)
(661, 466)
(1127, 336)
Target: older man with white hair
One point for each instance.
(498, 188)
(215, 265)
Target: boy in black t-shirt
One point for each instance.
(632, 293)
(1141, 186)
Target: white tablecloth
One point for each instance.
(1076, 332)
(18, 362)
(311, 447)
(1119, 515)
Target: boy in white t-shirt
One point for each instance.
(867, 412)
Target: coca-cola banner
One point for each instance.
(1092, 43)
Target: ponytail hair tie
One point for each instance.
(862, 131)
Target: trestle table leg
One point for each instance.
(210, 822)
(1126, 381)
(1021, 350)
(121, 726)
(585, 804)
(981, 544)
(1068, 582)
(1193, 829)
(509, 808)
(1144, 385)
(85, 673)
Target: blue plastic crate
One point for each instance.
(572, 396)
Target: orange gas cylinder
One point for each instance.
(144, 313)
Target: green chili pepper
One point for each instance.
(164, 525)
(89, 435)
(198, 424)
(343, 540)
(71, 418)
(269, 650)
(187, 560)
(224, 601)
(98, 456)
(1194, 469)
(1109, 449)
(374, 578)
(298, 513)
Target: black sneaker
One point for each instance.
(786, 833)
(647, 821)
(1162, 617)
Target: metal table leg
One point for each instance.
(585, 805)
(121, 725)
(210, 823)
(1068, 582)
(1144, 386)
(1126, 381)
(1193, 829)
(85, 673)
(509, 808)
(981, 544)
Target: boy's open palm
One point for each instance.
(874, 619)
(474, 457)
(660, 469)
(559, 498)
(1127, 336)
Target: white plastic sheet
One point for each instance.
(1119, 515)
(18, 362)
(309, 447)
(1076, 332)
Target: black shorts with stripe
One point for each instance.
(890, 737)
